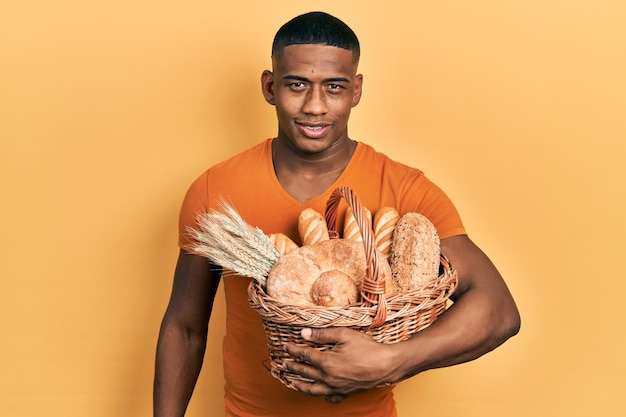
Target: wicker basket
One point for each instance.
(386, 320)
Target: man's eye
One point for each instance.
(296, 85)
(335, 89)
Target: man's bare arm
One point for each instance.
(183, 335)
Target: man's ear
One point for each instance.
(267, 87)
(358, 90)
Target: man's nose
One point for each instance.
(315, 102)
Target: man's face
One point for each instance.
(313, 87)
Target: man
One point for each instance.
(314, 85)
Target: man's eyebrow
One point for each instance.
(299, 78)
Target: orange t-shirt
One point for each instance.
(249, 183)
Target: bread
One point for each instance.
(334, 288)
(385, 221)
(415, 252)
(351, 230)
(312, 227)
(316, 274)
(283, 243)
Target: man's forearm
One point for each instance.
(463, 333)
(483, 316)
(178, 363)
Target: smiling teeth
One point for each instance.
(315, 127)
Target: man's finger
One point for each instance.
(315, 389)
(303, 353)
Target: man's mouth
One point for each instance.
(312, 130)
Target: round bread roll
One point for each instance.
(334, 288)
(292, 280)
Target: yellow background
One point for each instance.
(108, 110)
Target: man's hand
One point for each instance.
(356, 363)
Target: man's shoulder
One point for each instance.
(370, 155)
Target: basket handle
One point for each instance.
(373, 287)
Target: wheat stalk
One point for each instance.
(227, 240)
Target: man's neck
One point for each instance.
(305, 176)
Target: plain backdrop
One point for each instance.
(108, 111)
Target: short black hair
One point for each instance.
(316, 28)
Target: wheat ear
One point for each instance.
(227, 240)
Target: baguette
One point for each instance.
(312, 227)
(351, 229)
(283, 243)
(385, 221)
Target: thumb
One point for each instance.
(331, 335)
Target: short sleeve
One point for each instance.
(439, 209)
(196, 201)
